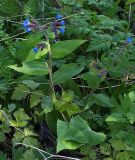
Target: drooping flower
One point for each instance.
(62, 30)
(28, 26)
(58, 25)
(58, 16)
(62, 23)
(26, 23)
(40, 46)
(35, 50)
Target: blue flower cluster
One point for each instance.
(59, 24)
(26, 24)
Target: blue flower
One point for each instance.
(35, 50)
(58, 16)
(28, 29)
(129, 40)
(62, 23)
(26, 23)
(62, 30)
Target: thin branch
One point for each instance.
(50, 155)
(44, 25)
(12, 36)
(127, 83)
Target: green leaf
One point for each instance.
(21, 118)
(92, 79)
(80, 132)
(30, 154)
(64, 48)
(20, 92)
(123, 156)
(11, 107)
(3, 156)
(111, 118)
(47, 104)
(2, 136)
(118, 145)
(102, 100)
(31, 68)
(31, 84)
(100, 42)
(62, 144)
(35, 98)
(130, 1)
(66, 72)
(33, 56)
(65, 104)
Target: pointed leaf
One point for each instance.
(66, 72)
(62, 144)
(80, 132)
(31, 68)
(64, 48)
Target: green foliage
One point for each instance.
(20, 92)
(66, 72)
(31, 68)
(77, 93)
(66, 104)
(76, 133)
(64, 48)
(3, 156)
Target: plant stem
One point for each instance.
(50, 67)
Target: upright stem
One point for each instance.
(50, 68)
(50, 72)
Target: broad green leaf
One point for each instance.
(31, 141)
(102, 100)
(21, 118)
(64, 48)
(92, 79)
(33, 56)
(11, 107)
(35, 97)
(80, 132)
(34, 100)
(20, 92)
(31, 84)
(66, 72)
(62, 144)
(47, 104)
(31, 68)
